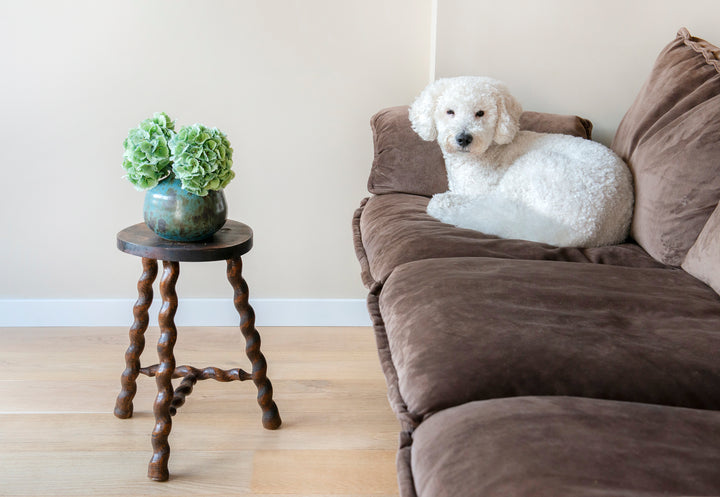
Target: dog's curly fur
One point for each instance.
(550, 188)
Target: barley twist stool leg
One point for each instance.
(158, 467)
(123, 404)
(270, 417)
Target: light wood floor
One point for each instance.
(58, 435)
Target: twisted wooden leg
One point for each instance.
(123, 404)
(158, 467)
(270, 417)
(181, 392)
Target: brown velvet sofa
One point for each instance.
(522, 369)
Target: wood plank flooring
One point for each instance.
(58, 436)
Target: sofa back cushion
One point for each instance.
(405, 163)
(670, 138)
(703, 258)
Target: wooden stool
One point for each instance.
(230, 243)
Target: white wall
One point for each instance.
(567, 56)
(292, 83)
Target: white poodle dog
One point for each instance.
(549, 188)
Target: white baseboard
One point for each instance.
(191, 312)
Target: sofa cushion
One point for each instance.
(670, 138)
(703, 258)
(467, 329)
(406, 163)
(403, 161)
(570, 447)
(393, 229)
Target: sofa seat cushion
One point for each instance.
(393, 229)
(466, 329)
(570, 447)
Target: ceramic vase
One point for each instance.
(175, 214)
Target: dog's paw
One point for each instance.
(440, 202)
(446, 206)
(447, 200)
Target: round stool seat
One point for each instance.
(233, 240)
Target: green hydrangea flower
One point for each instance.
(202, 159)
(147, 151)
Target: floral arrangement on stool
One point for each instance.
(184, 173)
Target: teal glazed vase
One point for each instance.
(178, 215)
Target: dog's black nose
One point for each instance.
(463, 139)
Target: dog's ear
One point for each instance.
(423, 108)
(508, 123)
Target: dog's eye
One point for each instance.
(450, 112)
(480, 113)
